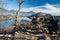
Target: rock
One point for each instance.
(8, 35)
(27, 32)
(17, 34)
(48, 38)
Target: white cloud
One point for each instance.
(47, 8)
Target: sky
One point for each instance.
(45, 6)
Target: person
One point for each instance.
(54, 25)
(50, 28)
(59, 23)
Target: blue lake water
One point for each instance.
(11, 22)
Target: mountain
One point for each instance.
(39, 14)
(27, 13)
(13, 12)
(4, 12)
(22, 14)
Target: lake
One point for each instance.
(10, 23)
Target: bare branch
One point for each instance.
(20, 2)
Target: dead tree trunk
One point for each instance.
(18, 12)
(17, 17)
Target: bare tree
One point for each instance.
(20, 2)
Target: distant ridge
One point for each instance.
(22, 14)
(13, 12)
(4, 12)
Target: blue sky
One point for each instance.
(28, 3)
(45, 6)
